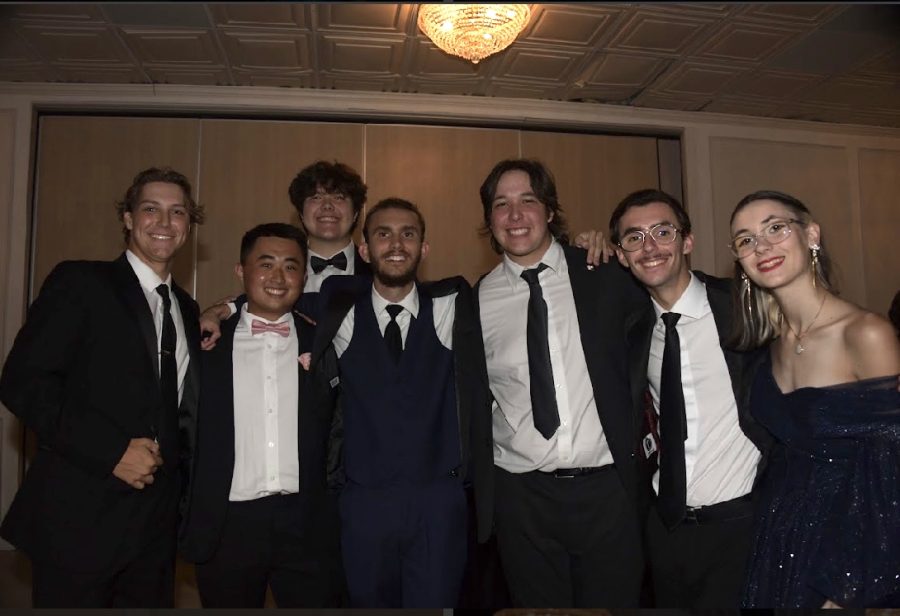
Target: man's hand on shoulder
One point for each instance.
(139, 462)
(597, 246)
(210, 331)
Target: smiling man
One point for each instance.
(328, 198)
(104, 371)
(404, 362)
(565, 499)
(706, 472)
(258, 515)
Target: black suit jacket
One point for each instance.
(606, 299)
(83, 374)
(742, 365)
(340, 293)
(214, 459)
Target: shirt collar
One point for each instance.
(146, 276)
(410, 302)
(693, 303)
(554, 258)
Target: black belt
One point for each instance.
(570, 473)
(734, 509)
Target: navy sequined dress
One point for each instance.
(828, 523)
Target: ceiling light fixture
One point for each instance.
(473, 31)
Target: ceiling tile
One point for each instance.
(364, 16)
(564, 25)
(774, 84)
(282, 15)
(75, 43)
(658, 32)
(158, 14)
(361, 54)
(62, 11)
(799, 12)
(661, 100)
(851, 92)
(851, 50)
(548, 65)
(100, 74)
(13, 47)
(27, 72)
(173, 46)
(693, 78)
(749, 42)
(267, 50)
(741, 106)
(445, 86)
(505, 89)
(369, 84)
(207, 77)
(273, 79)
(624, 70)
(428, 60)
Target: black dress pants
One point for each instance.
(266, 542)
(702, 562)
(568, 542)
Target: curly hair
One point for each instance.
(157, 174)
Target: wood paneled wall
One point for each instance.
(241, 170)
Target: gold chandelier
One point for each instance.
(473, 31)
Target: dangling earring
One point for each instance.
(814, 249)
(745, 290)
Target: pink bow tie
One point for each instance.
(260, 327)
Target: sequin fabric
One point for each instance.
(828, 519)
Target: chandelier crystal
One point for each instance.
(473, 31)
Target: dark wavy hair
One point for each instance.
(542, 184)
(157, 174)
(332, 177)
(646, 197)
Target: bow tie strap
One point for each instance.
(338, 261)
(261, 327)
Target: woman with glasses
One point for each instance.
(828, 518)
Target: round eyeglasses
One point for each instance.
(662, 233)
(774, 233)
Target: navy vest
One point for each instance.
(400, 421)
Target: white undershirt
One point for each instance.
(720, 461)
(264, 368)
(518, 446)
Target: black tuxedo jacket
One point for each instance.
(606, 298)
(742, 365)
(340, 293)
(214, 459)
(83, 374)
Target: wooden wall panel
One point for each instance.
(594, 172)
(880, 220)
(85, 164)
(818, 175)
(440, 170)
(246, 168)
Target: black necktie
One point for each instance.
(392, 333)
(672, 428)
(544, 411)
(318, 263)
(168, 365)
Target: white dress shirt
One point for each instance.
(518, 446)
(720, 461)
(443, 310)
(266, 391)
(149, 281)
(314, 281)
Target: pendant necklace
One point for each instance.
(800, 348)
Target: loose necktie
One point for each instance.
(672, 428)
(392, 333)
(544, 411)
(260, 327)
(168, 365)
(318, 263)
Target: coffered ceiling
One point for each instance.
(820, 62)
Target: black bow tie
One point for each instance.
(318, 263)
